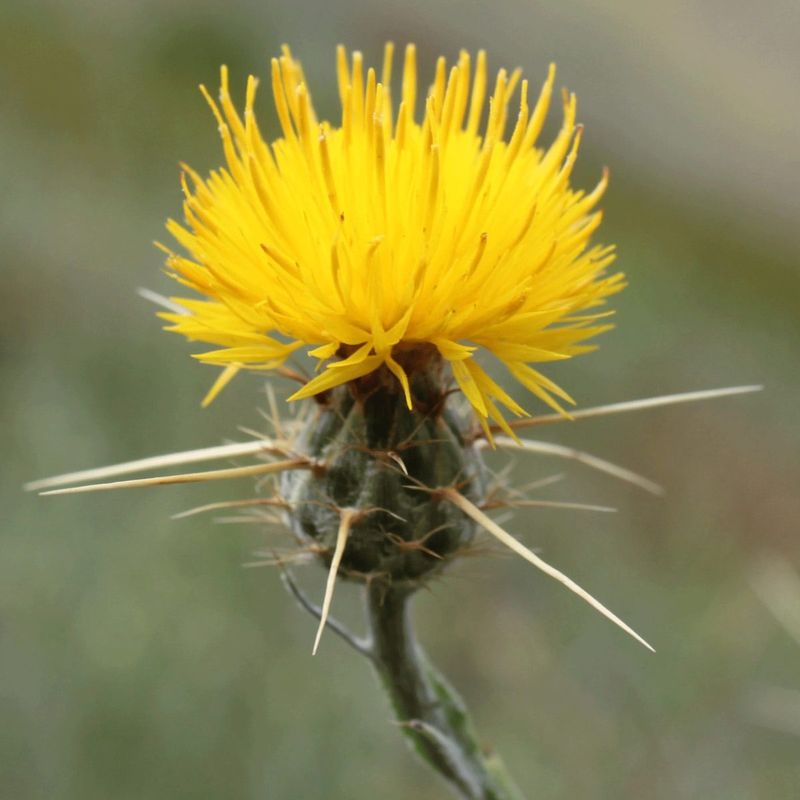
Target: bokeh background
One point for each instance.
(139, 660)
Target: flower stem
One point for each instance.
(432, 715)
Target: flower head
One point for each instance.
(386, 241)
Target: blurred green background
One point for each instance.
(140, 660)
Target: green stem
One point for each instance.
(433, 716)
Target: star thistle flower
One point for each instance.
(387, 248)
(388, 242)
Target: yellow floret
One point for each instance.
(362, 240)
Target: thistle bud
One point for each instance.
(380, 460)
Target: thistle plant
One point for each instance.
(402, 253)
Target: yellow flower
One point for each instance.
(385, 242)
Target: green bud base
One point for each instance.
(381, 459)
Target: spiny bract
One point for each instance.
(383, 241)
